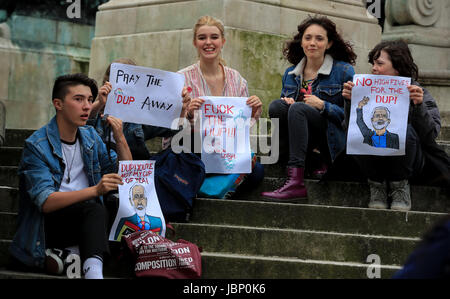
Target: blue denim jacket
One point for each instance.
(328, 87)
(40, 173)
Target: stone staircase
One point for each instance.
(330, 235)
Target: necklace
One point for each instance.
(69, 168)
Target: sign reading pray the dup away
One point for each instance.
(144, 95)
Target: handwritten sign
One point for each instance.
(225, 131)
(139, 207)
(379, 115)
(144, 95)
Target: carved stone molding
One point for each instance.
(414, 12)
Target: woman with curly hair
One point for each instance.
(311, 107)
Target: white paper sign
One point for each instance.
(379, 115)
(225, 131)
(144, 95)
(139, 207)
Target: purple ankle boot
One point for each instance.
(294, 189)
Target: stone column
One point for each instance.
(158, 33)
(425, 25)
(2, 122)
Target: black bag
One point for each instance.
(178, 177)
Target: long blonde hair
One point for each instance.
(210, 21)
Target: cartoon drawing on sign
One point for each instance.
(140, 220)
(380, 136)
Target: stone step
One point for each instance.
(294, 216)
(306, 244)
(354, 194)
(7, 225)
(444, 135)
(6, 274)
(9, 199)
(236, 266)
(10, 156)
(313, 217)
(16, 137)
(8, 176)
(260, 144)
(331, 193)
(301, 244)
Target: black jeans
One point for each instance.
(302, 129)
(394, 168)
(82, 224)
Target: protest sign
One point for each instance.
(225, 131)
(379, 115)
(144, 95)
(139, 207)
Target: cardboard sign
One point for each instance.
(379, 115)
(144, 95)
(139, 207)
(225, 131)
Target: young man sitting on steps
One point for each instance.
(64, 172)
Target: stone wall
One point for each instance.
(36, 48)
(40, 40)
(158, 33)
(425, 25)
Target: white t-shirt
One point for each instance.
(74, 168)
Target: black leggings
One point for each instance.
(82, 224)
(302, 128)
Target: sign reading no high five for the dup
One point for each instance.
(145, 95)
(379, 115)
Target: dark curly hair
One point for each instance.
(340, 49)
(400, 56)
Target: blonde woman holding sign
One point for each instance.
(210, 77)
(388, 175)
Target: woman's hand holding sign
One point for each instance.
(194, 104)
(255, 103)
(347, 90)
(186, 100)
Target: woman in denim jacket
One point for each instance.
(311, 107)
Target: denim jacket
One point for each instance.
(328, 87)
(41, 170)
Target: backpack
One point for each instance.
(178, 178)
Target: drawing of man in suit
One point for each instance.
(140, 220)
(380, 137)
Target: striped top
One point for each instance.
(235, 85)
